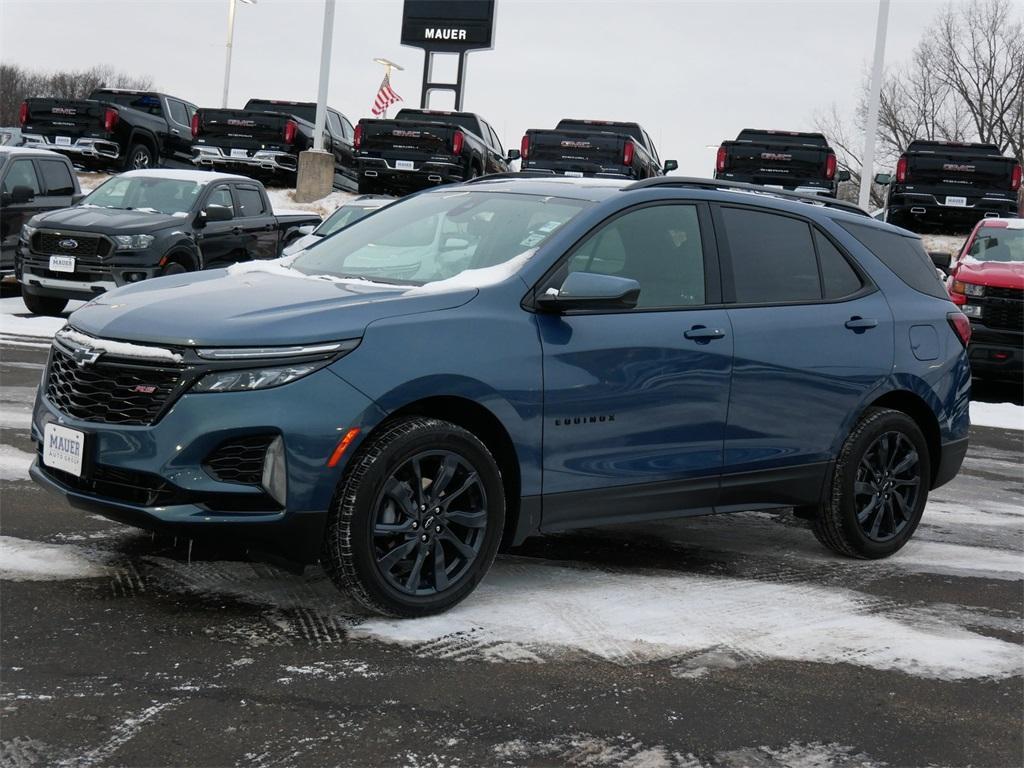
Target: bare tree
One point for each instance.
(18, 84)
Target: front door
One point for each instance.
(19, 173)
(635, 401)
(258, 226)
(220, 241)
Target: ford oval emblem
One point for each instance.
(68, 244)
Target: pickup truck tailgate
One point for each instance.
(588, 152)
(941, 168)
(783, 160)
(392, 138)
(55, 116)
(242, 124)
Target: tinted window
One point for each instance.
(335, 124)
(178, 112)
(346, 128)
(57, 177)
(21, 174)
(250, 201)
(772, 257)
(221, 196)
(658, 246)
(838, 277)
(903, 255)
(146, 102)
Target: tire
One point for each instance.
(43, 305)
(860, 517)
(139, 156)
(173, 268)
(375, 516)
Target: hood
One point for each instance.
(997, 274)
(107, 220)
(252, 307)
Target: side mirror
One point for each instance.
(941, 260)
(306, 229)
(583, 290)
(883, 178)
(218, 213)
(20, 195)
(843, 176)
(514, 154)
(670, 165)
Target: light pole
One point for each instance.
(315, 177)
(867, 173)
(388, 66)
(227, 58)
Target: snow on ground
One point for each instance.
(16, 321)
(1002, 415)
(24, 560)
(283, 201)
(951, 244)
(14, 463)
(89, 181)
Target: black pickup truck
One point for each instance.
(593, 148)
(112, 129)
(265, 138)
(803, 162)
(421, 148)
(942, 183)
(144, 224)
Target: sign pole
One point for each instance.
(325, 76)
(867, 173)
(315, 177)
(227, 58)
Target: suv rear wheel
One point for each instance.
(879, 487)
(43, 305)
(417, 519)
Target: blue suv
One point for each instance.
(486, 361)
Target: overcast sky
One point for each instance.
(693, 73)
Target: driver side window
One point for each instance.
(658, 246)
(21, 174)
(221, 196)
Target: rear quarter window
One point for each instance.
(903, 255)
(57, 177)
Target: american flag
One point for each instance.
(386, 96)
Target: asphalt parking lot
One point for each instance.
(728, 641)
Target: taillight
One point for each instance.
(901, 170)
(830, 166)
(627, 153)
(524, 147)
(357, 137)
(23, 115)
(1015, 178)
(457, 140)
(721, 160)
(961, 326)
(195, 125)
(291, 128)
(110, 118)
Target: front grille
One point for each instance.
(1014, 294)
(239, 460)
(85, 245)
(84, 271)
(1003, 308)
(114, 393)
(125, 485)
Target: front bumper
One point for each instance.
(996, 354)
(272, 161)
(156, 476)
(90, 279)
(83, 146)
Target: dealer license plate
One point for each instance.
(63, 448)
(239, 153)
(578, 174)
(405, 165)
(62, 141)
(62, 264)
(959, 202)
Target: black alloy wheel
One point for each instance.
(887, 486)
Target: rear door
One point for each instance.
(256, 221)
(811, 343)
(344, 154)
(18, 173)
(178, 144)
(635, 401)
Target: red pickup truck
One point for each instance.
(987, 282)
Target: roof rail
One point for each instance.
(739, 186)
(527, 174)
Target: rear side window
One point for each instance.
(903, 255)
(773, 257)
(57, 178)
(250, 202)
(179, 113)
(21, 174)
(838, 278)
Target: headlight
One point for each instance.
(256, 378)
(968, 289)
(971, 310)
(27, 232)
(133, 242)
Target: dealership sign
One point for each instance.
(450, 26)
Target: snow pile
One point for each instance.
(283, 201)
(704, 622)
(1001, 415)
(14, 464)
(16, 320)
(120, 348)
(24, 560)
(950, 244)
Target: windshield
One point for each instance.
(145, 194)
(436, 236)
(1002, 244)
(341, 218)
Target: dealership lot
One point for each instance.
(749, 643)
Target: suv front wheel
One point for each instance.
(879, 487)
(417, 519)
